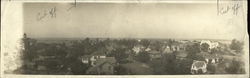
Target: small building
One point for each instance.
(97, 55)
(175, 48)
(211, 44)
(198, 67)
(166, 49)
(85, 59)
(148, 49)
(181, 55)
(138, 48)
(103, 66)
(210, 58)
(154, 54)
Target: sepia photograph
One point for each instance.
(133, 38)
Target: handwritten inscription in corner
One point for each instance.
(231, 7)
(47, 13)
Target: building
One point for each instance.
(198, 67)
(211, 44)
(138, 48)
(210, 58)
(154, 54)
(85, 59)
(181, 55)
(103, 66)
(90, 59)
(175, 48)
(166, 49)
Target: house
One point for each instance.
(175, 48)
(154, 54)
(103, 66)
(138, 48)
(181, 55)
(198, 67)
(210, 58)
(148, 49)
(85, 59)
(211, 44)
(166, 49)
(183, 46)
(97, 55)
(90, 59)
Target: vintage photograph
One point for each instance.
(131, 39)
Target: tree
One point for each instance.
(236, 45)
(235, 67)
(193, 50)
(145, 42)
(157, 46)
(214, 51)
(170, 42)
(28, 45)
(77, 67)
(204, 47)
(119, 54)
(120, 70)
(183, 66)
(143, 57)
(169, 63)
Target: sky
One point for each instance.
(132, 20)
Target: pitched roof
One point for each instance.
(102, 61)
(199, 64)
(154, 52)
(85, 56)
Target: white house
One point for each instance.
(198, 65)
(138, 48)
(211, 44)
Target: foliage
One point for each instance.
(183, 66)
(143, 57)
(65, 58)
(193, 50)
(236, 45)
(121, 70)
(78, 68)
(156, 46)
(28, 50)
(119, 55)
(145, 42)
(204, 47)
(169, 63)
(235, 67)
(211, 68)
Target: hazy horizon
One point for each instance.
(82, 38)
(132, 20)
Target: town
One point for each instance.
(127, 56)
